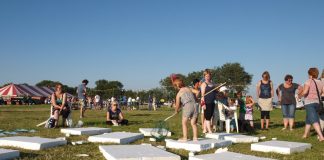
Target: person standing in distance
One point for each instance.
(82, 95)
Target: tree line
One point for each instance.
(232, 73)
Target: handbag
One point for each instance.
(320, 108)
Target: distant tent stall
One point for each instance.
(24, 90)
(10, 91)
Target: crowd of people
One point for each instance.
(216, 106)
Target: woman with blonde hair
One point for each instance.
(208, 100)
(115, 116)
(265, 92)
(312, 87)
(187, 100)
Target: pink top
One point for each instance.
(312, 97)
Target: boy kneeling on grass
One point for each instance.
(186, 99)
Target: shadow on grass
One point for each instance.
(24, 155)
(139, 115)
(103, 123)
(134, 122)
(299, 124)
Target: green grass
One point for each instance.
(27, 117)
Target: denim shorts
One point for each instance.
(288, 110)
(311, 114)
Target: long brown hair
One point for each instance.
(207, 71)
(313, 72)
(266, 75)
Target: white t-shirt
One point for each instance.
(97, 98)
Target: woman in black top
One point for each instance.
(115, 115)
(265, 93)
(208, 101)
(286, 97)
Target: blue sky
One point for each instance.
(138, 42)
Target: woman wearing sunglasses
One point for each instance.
(115, 116)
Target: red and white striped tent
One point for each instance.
(10, 91)
(21, 90)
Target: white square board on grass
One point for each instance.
(136, 152)
(85, 131)
(116, 137)
(282, 147)
(235, 138)
(219, 136)
(31, 143)
(242, 139)
(227, 156)
(149, 131)
(197, 146)
(6, 154)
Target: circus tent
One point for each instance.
(23, 90)
(11, 91)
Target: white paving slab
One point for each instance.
(85, 131)
(136, 152)
(31, 143)
(116, 137)
(227, 156)
(219, 136)
(197, 146)
(6, 154)
(153, 131)
(242, 139)
(282, 147)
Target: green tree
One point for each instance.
(6, 84)
(194, 75)
(166, 84)
(235, 76)
(49, 83)
(232, 73)
(107, 89)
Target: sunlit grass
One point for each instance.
(27, 117)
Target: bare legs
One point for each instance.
(290, 122)
(202, 117)
(82, 110)
(193, 122)
(317, 129)
(208, 126)
(267, 123)
(194, 129)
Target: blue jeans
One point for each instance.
(311, 114)
(232, 124)
(288, 110)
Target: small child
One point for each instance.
(186, 100)
(249, 110)
(230, 113)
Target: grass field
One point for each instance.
(27, 117)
